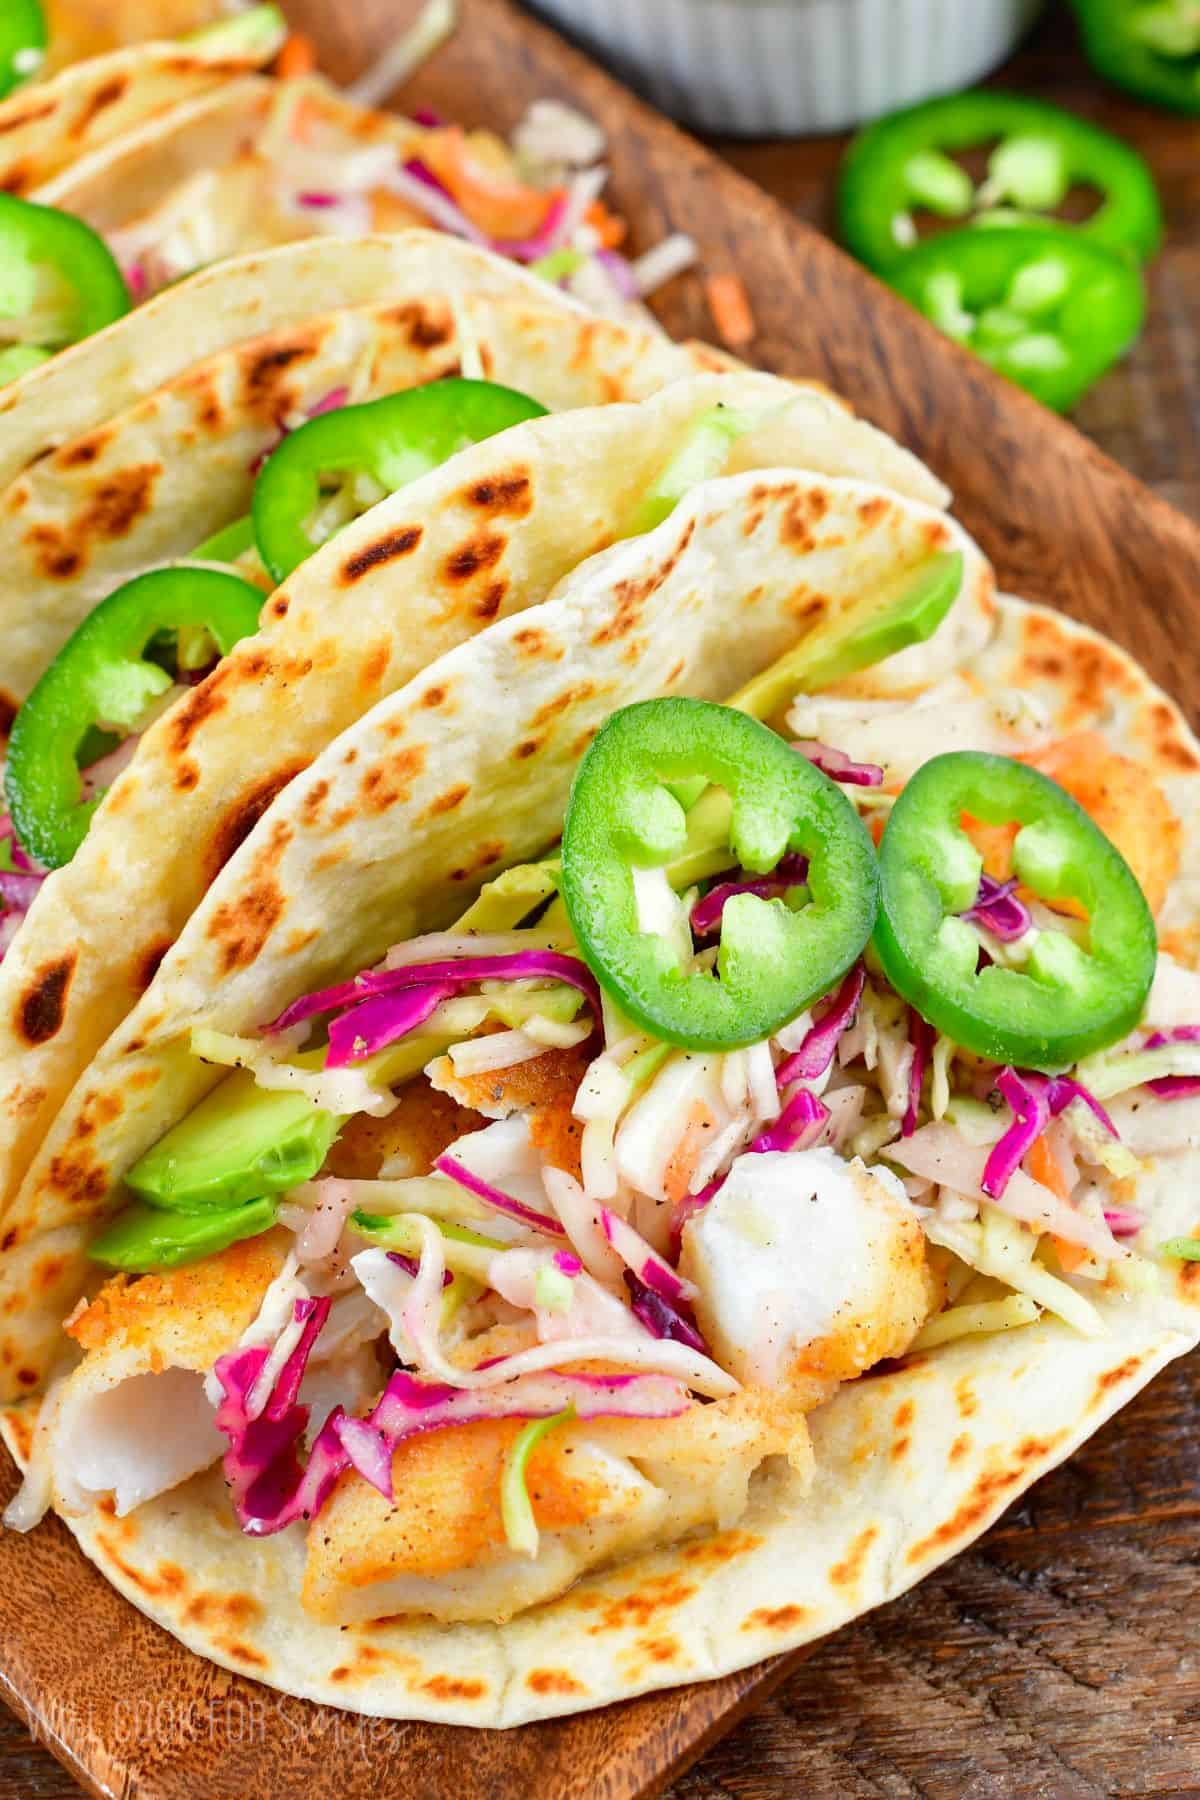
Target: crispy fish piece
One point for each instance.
(600, 1490)
(133, 1418)
(809, 1270)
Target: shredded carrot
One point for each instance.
(501, 206)
(1069, 1255)
(610, 230)
(729, 304)
(1043, 1165)
(686, 1155)
(298, 57)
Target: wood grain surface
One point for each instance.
(1057, 1658)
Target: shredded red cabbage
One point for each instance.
(798, 1126)
(451, 973)
(637, 1255)
(567, 1263)
(494, 1196)
(921, 1036)
(1035, 1100)
(999, 911)
(1124, 1221)
(837, 765)
(18, 885)
(319, 200)
(707, 912)
(1174, 1087)
(409, 1406)
(269, 1487)
(423, 115)
(412, 1267)
(17, 889)
(662, 1317)
(816, 1052)
(382, 1021)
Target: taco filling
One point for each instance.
(540, 1240)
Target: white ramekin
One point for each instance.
(761, 68)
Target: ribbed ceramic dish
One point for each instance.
(765, 68)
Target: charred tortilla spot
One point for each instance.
(385, 549)
(447, 802)
(964, 1393)
(984, 1497)
(314, 799)
(119, 502)
(478, 553)
(959, 1447)
(243, 1653)
(632, 595)
(279, 606)
(848, 1572)
(200, 704)
(1114, 1378)
(241, 818)
(511, 494)
(262, 371)
(450, 1687)
(569, 696)
(41, 1009)
(529, 747)
(53, 556)
(27, 1377)
(553, 1681)
(428, 327)
(375, 664)
(83, 451)
(106, 95)
(9, 1239)
(775, 1618)
(78, 1181)
(871, 511)
(388, 783)
(242, 930)
(658, 1594)
(802, 514)
(26, 115)
(434, 696)
(491, 600)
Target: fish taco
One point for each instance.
(162, 691)
(683, 1109)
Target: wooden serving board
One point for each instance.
(126, 1709)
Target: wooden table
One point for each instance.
(1034, 1666)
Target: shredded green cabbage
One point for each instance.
(516, 1508)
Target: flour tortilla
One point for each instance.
(912, 1465)
(49, 125)
(381, 837)
(80, 28)
(80, 388)
(223, 131)
(487, 535)
(161, 474)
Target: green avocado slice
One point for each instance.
(879, 626)
(241, 1142)
(141, 1238)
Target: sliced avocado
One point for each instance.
(239, 1143)
(879, 626)
(511, 897)
(141, 1238)
(260, 33)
